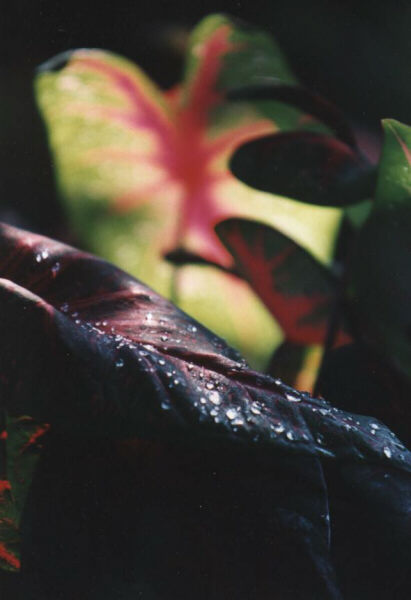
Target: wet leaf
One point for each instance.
(124, 377)
(306, 166)
(144, 172)
(126, 362)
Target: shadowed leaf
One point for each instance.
(380, 269)
(303, 99)
(20, 443)
(306, 166)
(297, 365)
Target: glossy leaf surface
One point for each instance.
(114, 367)
(305, 166)
(145, 172)
(133, 364)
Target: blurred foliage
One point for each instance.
(143, 173)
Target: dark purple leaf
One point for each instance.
(211, 523)
(309, 167)
(91, 350)
(126, 362)
(371, 530)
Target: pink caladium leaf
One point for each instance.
(144, 172)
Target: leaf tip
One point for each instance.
(55, 64)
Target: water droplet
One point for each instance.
(176, 382)
(387, 452)
(119, 363)
(255, 408)
(374, 426)
(238, 422)
(209, 385)
(213, 412)
(164, 338)
(161, 362)
(279, 428)
(324, 411)
(165, 406)
(42, 256)
(149, 317)
(192, 328)
(320, 439)
(104, 323)
(64, 307)
(292, 397)
(231, 413)
(215, 398)
(190, 366)
(289, 435)
(203, 400)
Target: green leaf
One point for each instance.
(380, 273)
(394, 181)
(145, 172)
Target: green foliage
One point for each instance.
(380, 270)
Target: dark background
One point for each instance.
(356, 53)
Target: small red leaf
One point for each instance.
(297, 290)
